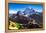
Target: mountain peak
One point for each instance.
(29, 11)
(32, 10)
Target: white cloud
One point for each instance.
(12, 11)
(38, 10)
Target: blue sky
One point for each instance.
(14, 7)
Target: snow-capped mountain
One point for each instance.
(29, 11)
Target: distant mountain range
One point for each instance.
(27, 12)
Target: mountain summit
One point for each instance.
(29, 11)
